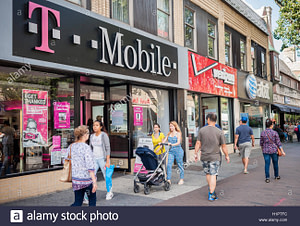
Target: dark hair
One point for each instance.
(156, 124)
(102, 125)
(90, 122)
(6, 122)
(269, 123)
(212, 117)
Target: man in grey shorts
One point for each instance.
(243, 136)
(209, 140)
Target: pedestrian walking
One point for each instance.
(157, 138)
(83, 168)
(269, 142)
(100, 144)
(280, 132)
(209, 141)
(174, 138)
(243, 136)
(297, 131)
(290, 132)
(8, 147)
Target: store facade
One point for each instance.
(285, 107)
(56, 76)
(212, 88)
(255, 96)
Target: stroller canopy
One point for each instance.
(148, 157)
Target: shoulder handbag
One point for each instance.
(66, 175)
(279, 152)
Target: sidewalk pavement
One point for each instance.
(179, 195)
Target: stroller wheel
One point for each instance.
(146, 189)
(167, 186)
(136, 188)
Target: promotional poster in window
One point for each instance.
(209, 76)
(35, 118)
(61, 115)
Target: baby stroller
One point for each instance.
(156, 175)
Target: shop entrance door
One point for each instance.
(112, 111)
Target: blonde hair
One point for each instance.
(177, 128)
(80, 131)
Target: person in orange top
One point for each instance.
(157, 137)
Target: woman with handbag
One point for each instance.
(271, 145)
(83, 168)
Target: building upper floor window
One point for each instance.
(294, 84)
(253, 59)
(163, 18)
(120, 10)
(243, 55)
(228, 48)
(263, 65)
(211, 27)
(276, 67)
(189, 28)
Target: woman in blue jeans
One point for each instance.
(175, 152)
(269, 141)
(100, 144)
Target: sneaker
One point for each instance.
(277, 178)
(85, 201)
(214, 195)
(109, 195)
(180, 182)
(211, 197)
(267, 180)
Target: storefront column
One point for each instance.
(76, 101)
(237, 112)
(182, 119)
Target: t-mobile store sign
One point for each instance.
(49, 32)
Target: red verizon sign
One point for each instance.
(209, 76)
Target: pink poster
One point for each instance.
(56, 141)
(138, 116)
(61, 115)
(35, 118)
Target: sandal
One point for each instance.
(267, 180)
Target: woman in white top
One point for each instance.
(99, 142)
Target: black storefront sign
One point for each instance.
(49, 32)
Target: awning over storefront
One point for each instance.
(288, 109)
(295, 109)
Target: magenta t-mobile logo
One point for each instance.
(45, 29)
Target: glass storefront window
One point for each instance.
(43, 141)
(149, 106)
(256, 117)
(193, 118)
(209, 105)
(226, 119)
(118, 119)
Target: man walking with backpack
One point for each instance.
(243, 136)
(209, 140)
